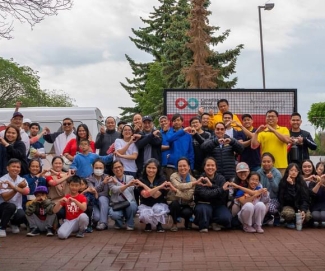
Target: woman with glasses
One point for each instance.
(126, 151)
(121, 187)
(223, 149)
(72, 146)
(293, 196)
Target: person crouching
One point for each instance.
(39, 213)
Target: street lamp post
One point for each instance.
(268, 6)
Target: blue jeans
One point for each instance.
(100, 212)
(203, 215)
(128, 213)
(222, 216)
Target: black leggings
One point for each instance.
(178, 210)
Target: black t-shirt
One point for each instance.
(150, 201)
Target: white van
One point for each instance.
(52, 117)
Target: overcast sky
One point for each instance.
(81, 51)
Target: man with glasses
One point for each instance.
(60, 139)
(274, 139)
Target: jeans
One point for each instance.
(222, 216)
(100, 212)
(128, 213)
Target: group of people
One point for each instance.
(218, 173)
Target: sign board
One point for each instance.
(241, 101)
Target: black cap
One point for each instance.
(146, 118)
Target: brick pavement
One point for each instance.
(115, 250)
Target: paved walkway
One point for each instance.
(277, 249)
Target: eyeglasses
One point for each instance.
(67, 123)
(220, 129)
(117, 167)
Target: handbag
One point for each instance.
(66, 163)
(118, 206)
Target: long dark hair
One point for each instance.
(157, 164)
(312, 165)
(300, 186)
(78, 137)
(17, 131)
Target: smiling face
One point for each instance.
(110, 124)
(67, 126)
(147, 126)
(271, 119)
(34, 167)
(151, 170)
(295, 122)
(196, 124)
(74, 188)
(267, 163)
(137, 120)
(11, 135)
(177, 123)
(183, 168)
(14, 170)
(307, 168)
(164, 124)
(127, 132)
(253, 181)
(220, 130)
(210, 168)
(247, 122)
(118, 169)
(205, 120)
(320, 169)
(17, 121)
(34, 130)
(57, 164)
(82, 133)
(242, 175)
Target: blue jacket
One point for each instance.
(82, 163)
(165, 135)
(181, 145)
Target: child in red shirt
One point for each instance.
(75, 204)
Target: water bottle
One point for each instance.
(298, 221)
(294, 152)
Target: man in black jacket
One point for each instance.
(301, 141)
(148, 143)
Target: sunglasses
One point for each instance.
(67, 124)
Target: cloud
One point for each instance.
(82, 51)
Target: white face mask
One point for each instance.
(98, 172)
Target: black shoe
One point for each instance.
(148, 227)
(49, 232)
(187, 225)
(160, 228)
(34, 232)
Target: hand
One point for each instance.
(221, 141)
(3, 142)
(226, 186)
(22, 184)
(236, 123)
(90, 138)
(102, 129)
(270, 128)
(136, 137)
(261, 128)
(64, 200)
(227, 141)
(211, 113)
(300, 140)
(46, 130)
(4, 185)
(188, 129)
(18, 104)
(200, 111)
(289, 180)
(106, 179)
(303, 216)
(71, 172)
(269, 175)
(156, 133)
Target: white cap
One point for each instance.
(25, 120)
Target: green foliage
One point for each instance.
(320, 141)
(316, 115)
(21, 83)
(164, 38)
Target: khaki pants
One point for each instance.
(289, 214)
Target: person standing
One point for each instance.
(36, 150)
(165, 131)
(273, 138)
(60, 139)
(148, 144)
(301, 141)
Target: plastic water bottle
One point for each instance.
(298, 221)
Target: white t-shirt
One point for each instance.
(129, 165)
(17, 199)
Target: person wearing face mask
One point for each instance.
(99, 181)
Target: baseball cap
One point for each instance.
(17, 114)
(147, 118)
(246, 116)
(241, 167)
(25, 120)
(41, 189)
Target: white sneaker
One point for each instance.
(14, 229)
(3, 233)
(216, 227)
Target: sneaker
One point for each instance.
(216, 227)
(204, 230)
(323, 224)
(14, 229)
(147, 228)
(117, 227)
(174, 228)
(248, 229)
(276, 221)
(80, 234)
(129, 228)
(3, 233)
(268, 220)
(258, 228)
(89, 229)
(34, 232)
(291, 225)
(159, 228)
(49, 232)
(101, 226)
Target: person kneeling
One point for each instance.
(75, 205)
(39, 213)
